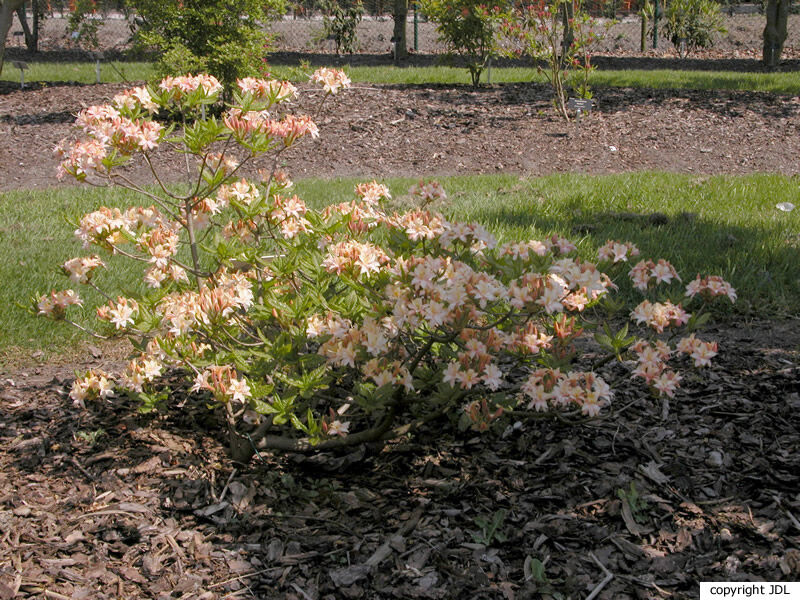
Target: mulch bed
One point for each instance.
(423, 130)
(109, 503)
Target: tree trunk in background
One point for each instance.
(7, 8)
(31, 35)
(400, 16)
(775, 31)
(567, 14)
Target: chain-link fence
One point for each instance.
(302, 30)
(621, 35)
(56, 35)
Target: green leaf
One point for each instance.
(261, 407)
(534, 569)
(604, 340)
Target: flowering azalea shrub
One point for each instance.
(319, 328)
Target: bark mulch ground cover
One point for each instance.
(109, 503)
(423, 130)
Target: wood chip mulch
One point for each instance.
(109, 503)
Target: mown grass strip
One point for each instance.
(781, 83)
(719, 225)
(80, 72)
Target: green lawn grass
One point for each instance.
(783, 83)
(718, 225)
(779, 83)
(80, 72)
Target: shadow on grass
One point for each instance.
(766, 278)
(610, 63)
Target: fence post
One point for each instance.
(643, 40)
(416, 29)
(656, 15)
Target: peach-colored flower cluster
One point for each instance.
(155, 276)
(293, 127)
(365, 258)
(82, 268)
(644, 271)
(107, 227)
(342, 350)
(385, 371)
(245, 124)
(108, 126)
(102, 227)
(111, 126)
(271, 90)
(94, 384)
(369, 346)
(82, 159)
(135, 99)
(224, 383)
(336, 428)
(331, 324)
(187, 311)
(651, 365)
(372, 192)
(699, 351)
(55, 303)
(289, 129)
(156, 237)
(178, 88)
(570, 286)
(141, 371)
(427, 192)
(617, 251)
(652, 361)
(560, 245)
(475, 364)
(550, 387)
(242, 229)
(524, 250)
(434, 290)
(119, 313)
(420, 225)
(242, 191)
(332, 425)
(660, 315)
(332, 80)
(581, 277)
(473, 235)
(480, 415)
(161, 243)
(531, 339)
(710, 287)
(217, 161)
(359, 216)
(289, 213)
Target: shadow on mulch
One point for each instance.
(107, 503)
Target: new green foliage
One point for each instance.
(224, 38)
(691, 24)
(469, 28)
